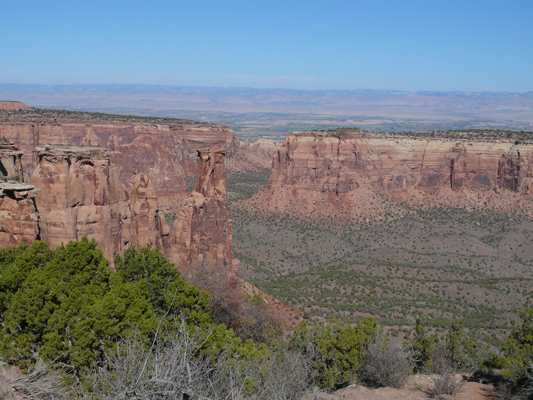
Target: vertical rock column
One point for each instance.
(202, 233)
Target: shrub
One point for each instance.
(465, 353)
(519, 351)
(335, 349)
(66, 306)
(41, 383)
(444, 381)
(385, 364)
(174, 368)
(421, 345)
(168, 293)
(249, 316)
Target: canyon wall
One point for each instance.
(202, 232)
(19, 220)
(173, 147)
(31, 135)
(148, 155)
(340, 170)
(81, 195)
(76, 192)
(149, 224)
(260, 152)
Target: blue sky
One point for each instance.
(400, 45)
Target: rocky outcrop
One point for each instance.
(19, 220)
(81, 195)
(28, 136)
(90, 139)
(13, 106)
(202, 232)
(10, 162)
(336, 168)
(188, 139)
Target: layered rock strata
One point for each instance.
(175, 146)
(29, 136)
(19, 220)
(202, 232)
(314, 169)
(81, 195)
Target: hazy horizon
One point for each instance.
(257, 112)
(134, 84)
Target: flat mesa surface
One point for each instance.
(448, 263)
(39, 115)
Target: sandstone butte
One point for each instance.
(340, 173)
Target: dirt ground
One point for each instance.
(418, 387)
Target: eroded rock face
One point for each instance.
(147, 155)
(174, 146)
(191, 138)
(90, 139)
(19, 220)
(81, 195)
(202, 232)
(317, 167)
(260, 152)
(150, 226)
(11, 162)
(28, 136)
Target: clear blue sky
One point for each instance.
(405, 45)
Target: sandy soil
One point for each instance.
(418, 387)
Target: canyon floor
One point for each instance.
(447, 263)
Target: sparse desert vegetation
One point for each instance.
(449, 263)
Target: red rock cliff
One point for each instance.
(81, 195)
(148, 155)
(202, 233)
(19, 220)
(149, 225)
(173, 146)
(318, 170)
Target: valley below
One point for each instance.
(449, 264)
